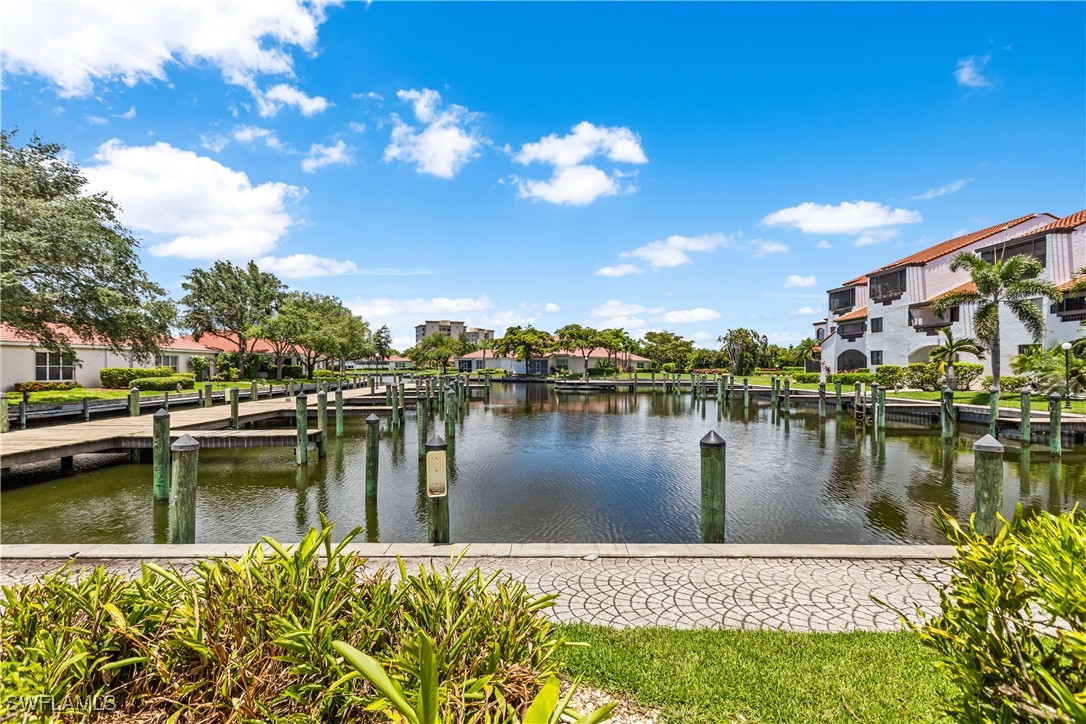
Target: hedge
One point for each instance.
(966, 373)
(44, 386)
(165, 384)
(851, 378)
(810, 377)
(117, 378)
(325, 374)
(922, 376)
(293, 371)
(1008, 383)
(889, 375)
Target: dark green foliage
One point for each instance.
(66, 261)
(889, 375)
(251, 639)
(922, 376)
(292, 371)
(37, 386)
(199, 366)
(164, 384)
(118, 378)
(809, 377)
(325, 374)
(744, 349)
(966, 373)
(1012, 627)
(1008, 383)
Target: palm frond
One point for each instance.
(986, 320)
(1021, 266)
(966, 260)
(1030, 315)
(942, 304)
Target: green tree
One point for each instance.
(231, 302)
(1014, 283)
(614, 342)
(743, 348)
(580, 339)
(439, 348)
(949, 349)
(280, 332)
(317, 321)
(65, 259)
(351, 338)
(801, 353)
(665, 347)
(523, 344)
(382, 343)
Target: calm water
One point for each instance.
(535, 465)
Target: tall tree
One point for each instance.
(279, 333)
(580, 339)
(743, 348)
(65, 259)
(316, 319)
(665, 347)
(523, 344)
(352, 338)
(439, 348)
(382, 343)
(1014, 282)
(231, 302)
(949, 350)
(614, 341)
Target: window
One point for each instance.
(888, 286)
(852, 330)
(562, 363)
(1037, 248)
(52, 367)
(876, 357)
(843, 299)
(955, 314)
(166, 360)
(820, 334)
(876, 324)
(480, 364)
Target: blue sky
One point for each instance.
(691, 167)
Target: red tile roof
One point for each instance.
(860, 313)
(1066, 286)
(179, 344)
(967, 287)
(856, 282)
(1068, 222)
(951, 245)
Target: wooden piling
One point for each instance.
(322, 423)
(421, 418)
(822, 400)
(1025, 430)
(208, 398)
(235, 394)
(787, 396)
(301, 425)
(947, 418)
(437, 491)
(1055, 426)
(133, 402)
(746, 392)
(5, 424)
(373, 448)
(86, 409)
(773, 390)
(450, 414)
(186, 458)
(858, 400)
(987, 484)
(290, 387)
(882, 407)
(254, 391)
(713, 480)
(837, 402)
(392, 396)
(339, 411)
(160, 449)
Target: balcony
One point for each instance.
(852, 330)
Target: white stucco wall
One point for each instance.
(17, 363)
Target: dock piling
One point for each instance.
(713, 480)
(86, 409)
(186, 457)
(133, 404)
(234, 396)
(837, 403)
(5, 425)
(373, 442)
(1024, 421)
(947, 419)
(322, 423)
(339, 411)
(301, 424)
(208, 400)
(987, 484)
(882, 407)
(160, 447)
(993, 412)
(1055, 426)
(822, 400)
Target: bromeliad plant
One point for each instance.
(252, 638)
(1012, 627)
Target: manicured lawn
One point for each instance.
(1009, 399)
(763, 676)
(57, 397)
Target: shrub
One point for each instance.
(496, 371)
(325, 374)
(966, 373)
(118, 378)
(923, 376)
(252, 637)
(1008, 383)
(851, 378)
(293, 371)
(889, 375)
(1012, 624)
(199, 366)
(808, 377)
(44, 386)
(165, 384)
(669, 367)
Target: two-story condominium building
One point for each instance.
(886, 317)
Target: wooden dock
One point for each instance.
(210, 424)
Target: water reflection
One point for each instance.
(535, 464)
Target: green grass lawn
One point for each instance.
(1008, 399)
(57, 397)
(763, 676)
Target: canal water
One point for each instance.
(535, 465)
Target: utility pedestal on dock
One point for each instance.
(437, 491)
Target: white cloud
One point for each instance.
(446, 142)
(369, 96)
(804, 311)
(357, 127)
(129, 114)
(88, 42)
(618, 270)
(252, 134)
(381, 307)
(303, 266)
(551, 307)
(786, 337)
(968, 72)
(615, 308)
(576, 186)
(320, 156)
(509, 318)
(944, 190)
(202, 209)
(97, 120)
(671, 252)
(685, 316)
(270, 102)
(763, 247)
(403, 342)
(848, 217)
(877, 236)
(701, 336)
(823, 245)
(573, 181)
(795, 280)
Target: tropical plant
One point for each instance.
(665, 348)
(614, 342)
(1052, 370)
(803, 352)
(1013, 282)
(67, 263)
(576, 338)
(199, 366)
(743, 349)
(1012, 624)
(523, 344)
(949, 350)
(438, 348)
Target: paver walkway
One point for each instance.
(789, 594)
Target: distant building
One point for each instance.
(445, 327)
(478, 334)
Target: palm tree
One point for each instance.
(1014, 283)
(947, 352)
